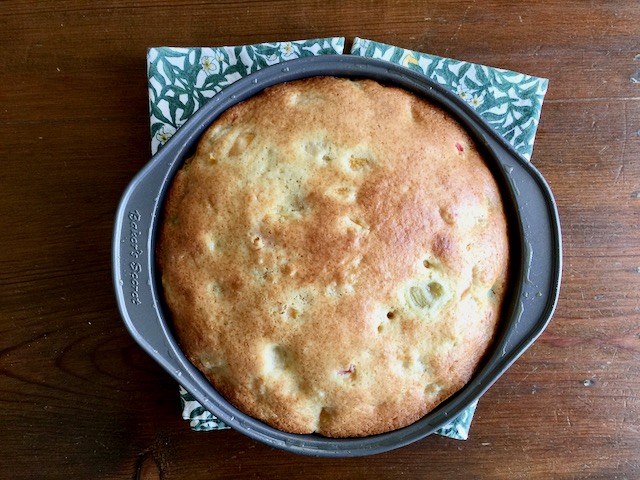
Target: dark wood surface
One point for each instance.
(79, 399)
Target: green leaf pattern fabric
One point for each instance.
(510, 102)
(200, 419)
(181, 80)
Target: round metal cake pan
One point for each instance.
(534, 230)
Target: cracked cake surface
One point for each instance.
(334, 256)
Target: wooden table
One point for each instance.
(79, 399)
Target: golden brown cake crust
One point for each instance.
(334, 257)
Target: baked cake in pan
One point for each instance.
(334, 256)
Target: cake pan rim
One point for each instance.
(171, 358)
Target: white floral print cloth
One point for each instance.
(510, 102)
(181, 80)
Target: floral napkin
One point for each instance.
(181, 80)
(509, 101)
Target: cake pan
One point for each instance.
(536, 253)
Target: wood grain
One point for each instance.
(80, 400)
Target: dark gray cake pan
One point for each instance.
(535, 247)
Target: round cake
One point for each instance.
(334, 256)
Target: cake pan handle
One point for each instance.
(540, 269)
(134, 261)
